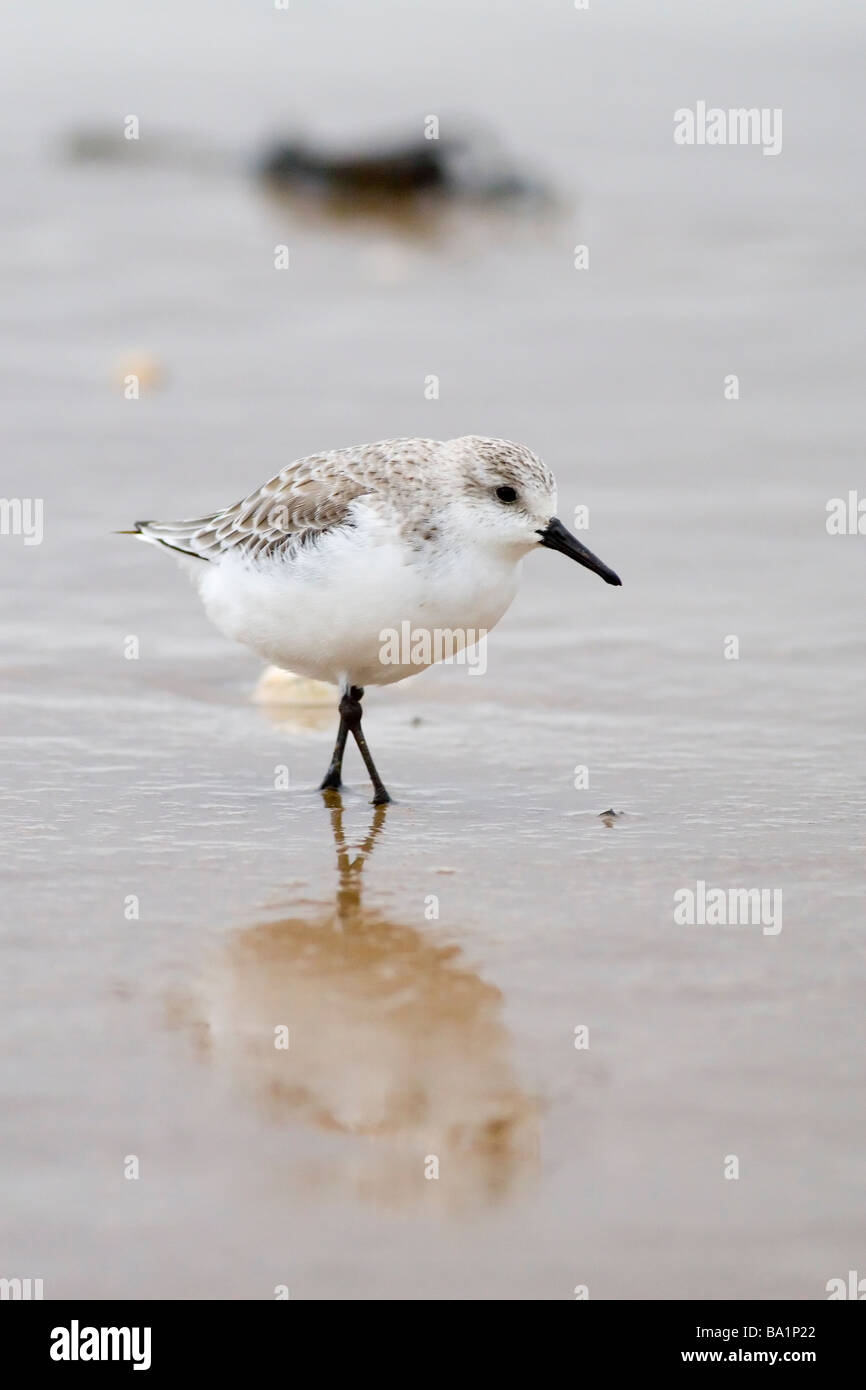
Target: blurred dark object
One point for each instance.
(468, 167)
(410, 168)
(471, 165)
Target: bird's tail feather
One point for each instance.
(174, 535)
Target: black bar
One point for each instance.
(228, 1337)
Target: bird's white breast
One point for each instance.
(322, 611)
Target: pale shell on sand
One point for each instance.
(142, 369)
(279, 687)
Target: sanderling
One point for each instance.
(313, 568)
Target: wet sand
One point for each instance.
(414, 1034)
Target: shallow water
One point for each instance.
(414, 1034)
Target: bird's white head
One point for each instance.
(507, 502)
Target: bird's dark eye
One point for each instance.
(506, 494)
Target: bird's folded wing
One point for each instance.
(282, 515)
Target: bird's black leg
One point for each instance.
(350, 716)
(333, 775)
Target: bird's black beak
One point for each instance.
(557, 537)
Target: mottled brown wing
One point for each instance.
(284, 514)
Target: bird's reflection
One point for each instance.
(396, 1046)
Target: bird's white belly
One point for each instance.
(340, 611)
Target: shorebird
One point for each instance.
(318, 566)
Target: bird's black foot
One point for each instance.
(350, 720)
